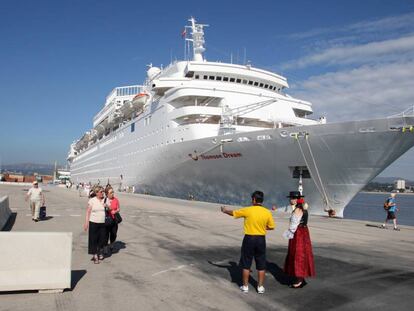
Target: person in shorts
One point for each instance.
(392, 208)
(257, 219)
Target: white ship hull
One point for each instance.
(341, 158)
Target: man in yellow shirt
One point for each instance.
(257, 219)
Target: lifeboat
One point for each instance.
(139, 101)
(83, 142)
(101, 127)
(93, 135)
(72, 152)
(127, 109)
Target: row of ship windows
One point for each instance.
(238, 80)
(127, 90)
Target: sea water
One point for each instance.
(369, 206)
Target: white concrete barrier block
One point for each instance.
(35, 260)
(5, 211)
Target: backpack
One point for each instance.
(386, 205)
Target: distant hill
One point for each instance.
(390, 180)
(29, 168)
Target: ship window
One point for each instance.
(266, 86)
(256, 83)
(189, 74)
(232, 79)
(132, 127)
(218, 78)
(205, 77)
(244, 81)
(197, 76)
(250, 82)
(300, 113)
(211, 77)
(261, 85)
(238, 80)
(226, 79)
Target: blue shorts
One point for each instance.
(254, 246)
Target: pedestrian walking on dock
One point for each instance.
(299, 260)
(112, 205)
(391, 208)
(95, 222)
(37, 199)
(257, 219)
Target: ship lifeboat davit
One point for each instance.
(139, 101)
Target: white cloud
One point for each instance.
(374, 78)
(392, 23)
(388, 24)
(362, 93)
(388, 50)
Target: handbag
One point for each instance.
(109, 221)
(118, 218)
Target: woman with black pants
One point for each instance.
(113, 208)
(95, 222)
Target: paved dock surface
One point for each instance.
(182, 255)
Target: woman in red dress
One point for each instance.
(299, 260)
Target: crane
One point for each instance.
(229, 116)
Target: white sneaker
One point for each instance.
(260, 289)
(244, 288)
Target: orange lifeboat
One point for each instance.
(140, 100)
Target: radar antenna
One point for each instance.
(197, 38)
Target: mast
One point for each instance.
(197, 37)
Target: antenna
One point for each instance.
(197, 37)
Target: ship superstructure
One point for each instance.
(218, 131)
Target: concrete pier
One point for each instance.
(182, 255)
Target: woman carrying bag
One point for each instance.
(113, 211)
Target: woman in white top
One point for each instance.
(95, 222)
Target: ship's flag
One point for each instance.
(183, 33)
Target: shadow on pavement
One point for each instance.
(233, 269)
(45, 218)
(278, 274)
(10, 223)
(76, 276)
(118, 245)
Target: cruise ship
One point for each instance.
(216, 131)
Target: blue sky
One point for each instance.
(59, 59)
